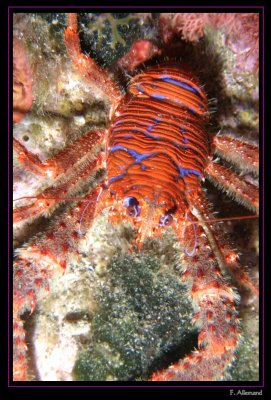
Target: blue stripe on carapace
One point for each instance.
(155, 122)
(187, 171)
(140, 157)
(137, 156)
(163, 97)
(116, 178)
(168, 79)
(152, 136)
(157, 137)
(158, 96)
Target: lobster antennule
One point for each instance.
(149, 220)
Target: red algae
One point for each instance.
(22, 81)
(241, 31)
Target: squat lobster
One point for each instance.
(157, 151)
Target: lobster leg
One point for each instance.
(244, 191)
(62, 161)
(214, 302)
(87, 66)
(85, 149)
(246, 158)
(244, 155)
(227, 256)
(38, 263)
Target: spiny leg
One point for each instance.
(245, 156)
(45, 257)
(226, 256)
(242, 190)
(86, 65)
(216, 316)
(63, 160)
(66, 161)
(41, 261)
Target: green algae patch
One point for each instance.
(142, 313)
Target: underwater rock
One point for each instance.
(118, 316)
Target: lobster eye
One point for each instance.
(132, 205)
(166, 220)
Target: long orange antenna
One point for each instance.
(187, 221)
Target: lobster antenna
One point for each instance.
(51, 198)
(85, 209)
(190, 254)
(81, 218)
(226, 219)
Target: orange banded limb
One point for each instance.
(63, 160)
(197, 366)
(216, 315)
(244, 155)
(41, 261)
(227, 257)
(76, 173)
(228, 181)
(19, 350)
(86, 65)
(52, 196)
